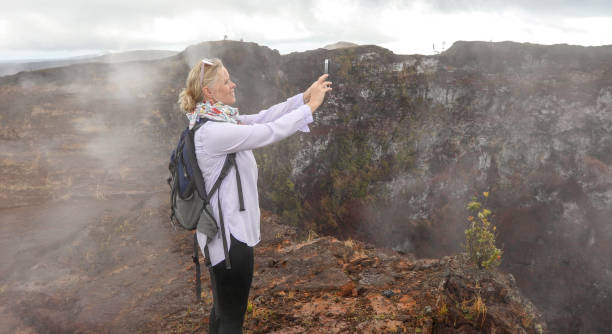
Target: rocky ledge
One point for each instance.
(324, 285)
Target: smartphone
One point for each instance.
(326, 68)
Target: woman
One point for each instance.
(209, 93)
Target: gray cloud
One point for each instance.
(572, 8)
(65, 24)
(78, 24)
(123, 25)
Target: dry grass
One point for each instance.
(311, 236)
(349, 243)
(479, 308)
(443, 311)
(474, 309)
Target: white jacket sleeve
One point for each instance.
(274, 112)
(224, 138)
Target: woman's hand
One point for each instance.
(315, 94)
(307, 93)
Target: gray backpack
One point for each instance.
(189, 201)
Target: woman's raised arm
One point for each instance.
(274, 112)
(219, 138)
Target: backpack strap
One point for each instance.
(198, 180)
(196, 260)
(230, 161)
(228, 265)
(232, 158)
(199, 124)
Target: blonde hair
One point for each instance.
(192, 93)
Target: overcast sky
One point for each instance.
(48, 29)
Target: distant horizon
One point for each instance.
(68, 55)
(39, 56)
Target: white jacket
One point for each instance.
(214, 140)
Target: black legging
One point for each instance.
(231, 289)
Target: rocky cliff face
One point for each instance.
(394, 154)
(405, 141)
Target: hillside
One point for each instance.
(12, 67)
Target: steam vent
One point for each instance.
(363, 218)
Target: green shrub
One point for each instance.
(480, 236)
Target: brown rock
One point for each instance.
(347, 290)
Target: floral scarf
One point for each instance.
(217, 112)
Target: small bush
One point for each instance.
(480, 236)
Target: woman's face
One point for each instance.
(223, 90)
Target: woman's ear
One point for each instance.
(207, 94)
